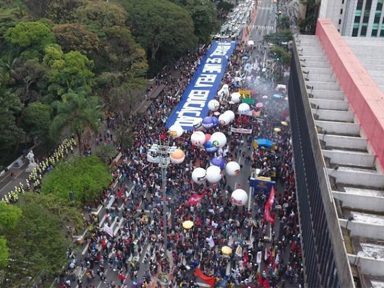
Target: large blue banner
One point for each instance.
(203, 86)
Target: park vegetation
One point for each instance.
(64, 65)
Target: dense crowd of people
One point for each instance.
(191, 256)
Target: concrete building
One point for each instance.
(355, 17)
(336, 98)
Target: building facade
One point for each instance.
(357, 18)
(336, 102)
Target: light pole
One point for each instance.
(164, 155)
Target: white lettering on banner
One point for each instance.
(221, 49)
(212, 68)
(194, 105)
(214, 61)
(205, 80)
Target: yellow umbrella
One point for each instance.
(277, 129)
(284, 123)
(226, 250)
(187, 224)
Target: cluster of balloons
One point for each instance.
(211, 143)
(213, 173)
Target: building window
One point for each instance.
(377, 18)
(339, 21)
(359, 4)
(357, 19)
(381, 33)
(355, 31)
(341, 11)
(374, 33)
(363, 31)
(379, 6)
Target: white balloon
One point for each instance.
(244, 108)
(235, 97)
(213, 105)
(218, 139)
(224, 119)
(232, 168)
(175, 130)
(199, 175)
(197, 123)
(239, 197)
(198, 138)
(213, 174)
(230, 114)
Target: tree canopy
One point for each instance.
(163, 28)
(82, 179)
(38, 242)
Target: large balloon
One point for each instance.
(219, 162)
(215, 121)
(235, 97)
(239, 197)
(232, 168)
(177, 156)
(198, 138)
(213, 105)
(210, 147)
(197, 123)
(175, 130)
(208, 122)
(218, 139)
(224, 119)
(244, 108)
(230, 114)
(213, 174)
(199, 175)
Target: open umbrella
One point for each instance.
(284, 123)
(264, 142)
(226, 250)
(187, 224)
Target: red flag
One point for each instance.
(195, 199)
(263, 282)
(210, 280)
(268, 206)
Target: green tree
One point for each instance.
(283, 56)
(9, 217)
(59, 11)
(28, 78)
(279, 37)
(106, 152)
(204, 16)
(82, 179)
(4, 253)
(68, 71)
(163, 28)
(36, 119)
(37, 243)
(123, 53)
(30, 35)
(76, 37)
(76, 114)
(11, 135)
(98, 15)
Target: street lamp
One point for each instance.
(163, 155)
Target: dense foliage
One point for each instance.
(81, 179)
(83, 51)
(37, 242)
